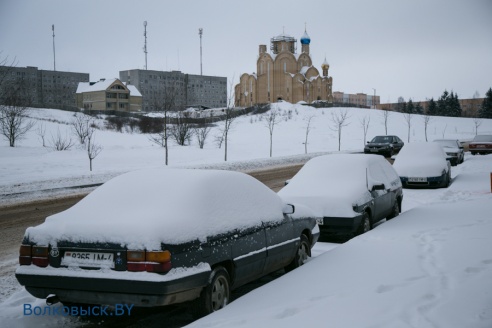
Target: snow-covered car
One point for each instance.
(453, 149)
(384, 145)
(481, 144)
(349, 192)
(423, 164)
(165, 236)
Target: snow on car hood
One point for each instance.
(141, 209)
(421, 159)
(331, 185)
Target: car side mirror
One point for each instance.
(289, 209)
(378, 187)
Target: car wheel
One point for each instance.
(395, 211)
(365, 224)
(447, 180)
(215, 296)
(302, 254)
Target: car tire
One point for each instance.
(395, 211)
(365, 224)
(215, 295)
(302, 253)
(447, 180)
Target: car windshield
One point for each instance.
(447, 143)
(382, 139)
(483, 138)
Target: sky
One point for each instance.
(410, 49)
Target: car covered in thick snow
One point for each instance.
(423, 164)
(481, 144)
(348, 192)
(453, 149)
(165, 236)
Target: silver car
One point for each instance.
(453, 149)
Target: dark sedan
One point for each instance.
(384, 145)
(165, 236)
(349, 192)
(481, 144)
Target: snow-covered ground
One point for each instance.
(429, 267)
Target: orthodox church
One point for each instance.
(283, 74)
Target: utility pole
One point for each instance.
(145, 44)
(200, 33)
(54, 60)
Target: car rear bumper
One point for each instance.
(339, 225)
(145, 289)
(481, 150)
(432, 182)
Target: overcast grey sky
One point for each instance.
(409, 48)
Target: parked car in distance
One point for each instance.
(453, 149)
(165, 236)
(384, 145)
(349, 192)
(481, 144)
(423, 164)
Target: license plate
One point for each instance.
(320, 221)
(480, 146)
(417, 179)
(88, 259)
(374, 150)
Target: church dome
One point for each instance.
(305, 39)
(325, 64)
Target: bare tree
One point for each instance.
(182, 129)
(339, 120)
(385, 114)
(59, 142)
(14, 111)
(477, 122)
(308, 129)
(272, 118)
(165, 103)
(81, 126)
(444, 130)
(201, 133)
(364, 122)
(408, 118)
(41, 132)
(230, 115)
(427, 118)
(93, 149)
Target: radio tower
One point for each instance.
(54, 60)
(145, 45)
(200, 33)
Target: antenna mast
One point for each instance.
(54, 60)
(200, 32)
(145, 44)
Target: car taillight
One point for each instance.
(37, 255)
(150, 261)
(25, 255)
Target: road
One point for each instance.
(15, 219)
